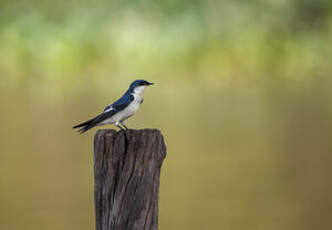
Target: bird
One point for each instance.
(119, 111)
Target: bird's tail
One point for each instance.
(85, 126)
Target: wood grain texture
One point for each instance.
(127, 170)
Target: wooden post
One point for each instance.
(127, 170)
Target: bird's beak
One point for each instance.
(151, 83)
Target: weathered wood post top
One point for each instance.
(127, 170)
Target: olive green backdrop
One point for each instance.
(244, 100)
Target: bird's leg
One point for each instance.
(124, 125)
(118, 125)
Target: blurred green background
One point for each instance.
(243, 99)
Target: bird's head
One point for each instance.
(139, 86)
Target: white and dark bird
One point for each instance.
(119, 111)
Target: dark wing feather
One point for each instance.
(117, 106)
(95, 121)
(123, 102)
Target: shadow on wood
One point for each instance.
(127, 171)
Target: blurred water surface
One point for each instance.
(243, 99)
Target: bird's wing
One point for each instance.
(120, 104)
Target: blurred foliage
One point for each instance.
(244, 100)
(68, 39)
